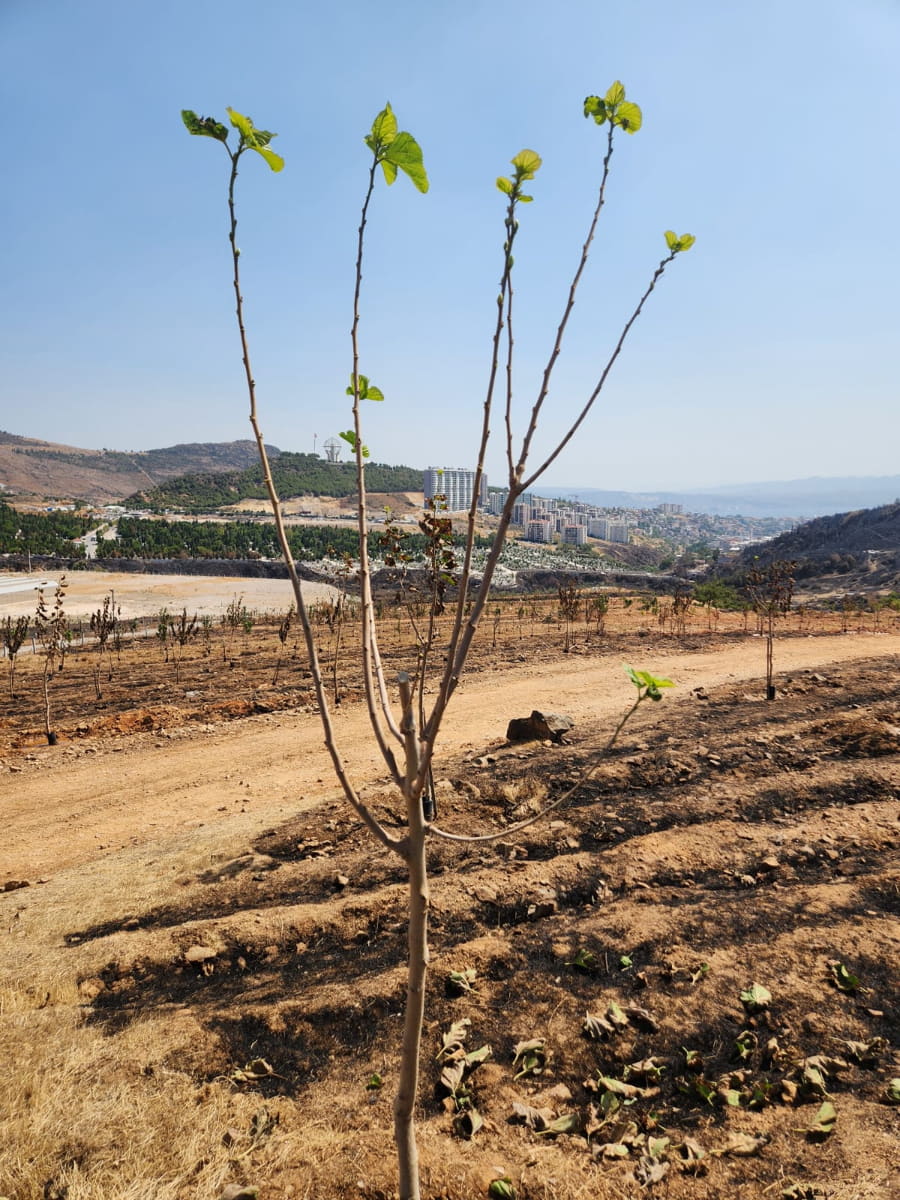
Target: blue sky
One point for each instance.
(770, 351)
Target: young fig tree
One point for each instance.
(406, 733)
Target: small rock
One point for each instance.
(539, 726)
(237, 1191)
(771, 863)
(199, 954)
(341, 881)
(13, 885)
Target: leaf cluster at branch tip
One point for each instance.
(613, 107)
(395, 150)
(679, 244)
(526, 163)
(251, 138)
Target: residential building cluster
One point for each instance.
(568, 521)
(573, 522)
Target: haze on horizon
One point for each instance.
(767, 353)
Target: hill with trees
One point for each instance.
(865, 542)
(294, 475)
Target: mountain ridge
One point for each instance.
(815, 496)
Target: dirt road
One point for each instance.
(69, 806)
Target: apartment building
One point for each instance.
(455, 484)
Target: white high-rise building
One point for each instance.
(455, 484)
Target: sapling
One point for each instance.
(51, 628)
(284, 629)
(771, 589)
(406, 733)
(182, 629)
(104, 623)
(13, 633)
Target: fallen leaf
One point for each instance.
(535, 1118)
(756, 998)
(744, 1145)
(823, 1123)
(564, 1123)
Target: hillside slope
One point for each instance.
(34, 467)
(865, 542)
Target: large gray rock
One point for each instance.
(539, 727)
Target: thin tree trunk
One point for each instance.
(417, 939)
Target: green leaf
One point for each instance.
(530, 1057)
(584, 960)
(242, 124)
(275, 161)
(405, 152)
(596, 108)
(505, 185)
(350, 437)
(203, 126)
(744, 1044)
(526, 162)
(646, 683)
(255, 139)
(629, 117)
(615, 94)
(566, 1123)
(844, 979)
(384, 128)
(679, 244)
(374, 1082)
(475, 1057)
(390, 171)
(367, 391)
(756, 998)
(892, 1092)
(823, 1122)
(502, 1189)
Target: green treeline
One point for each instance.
(241, 539)
(294, 475)
(41, 533)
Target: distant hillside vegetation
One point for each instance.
(32, 467)
(867, 540)
(294, 475)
